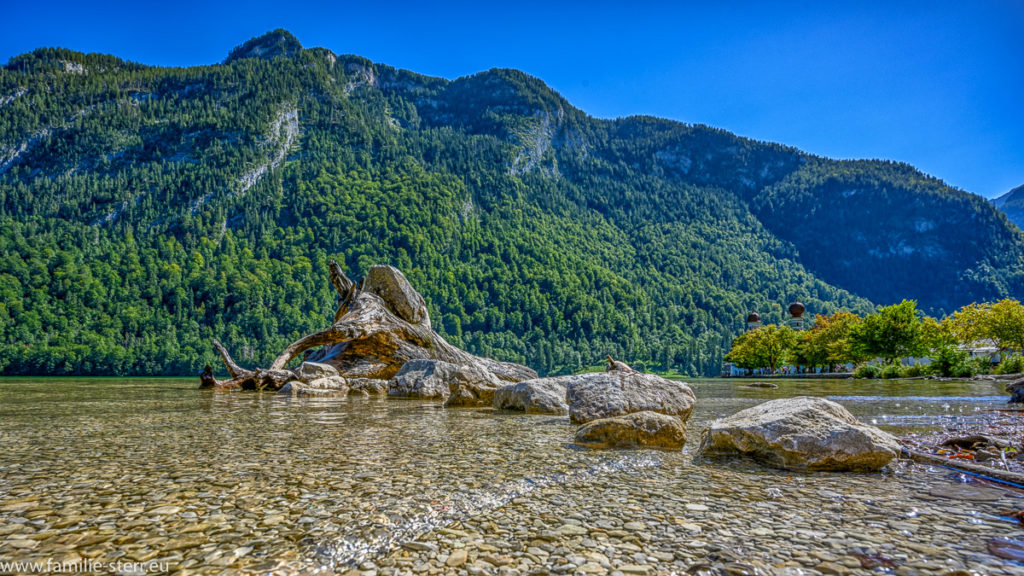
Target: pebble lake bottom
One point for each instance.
(152, 470)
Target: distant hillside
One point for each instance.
(1012, 204)
(146, 210)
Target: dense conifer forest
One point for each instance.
(146, 210)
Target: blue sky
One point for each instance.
(937, 84)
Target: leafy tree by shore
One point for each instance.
(895, 332)
(1002, 322)
(892, 333)
(827, 342)
(764, 347)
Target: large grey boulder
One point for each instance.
(801, 434)
(539, 396)
(329, 386)
(309, 371)
(621, 390)
(472, 385)
(636, 430)
(422, 379)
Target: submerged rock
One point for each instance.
(637, 430)
(801, 434)
(1006, 548)
(967, 492)
(539, 396)
(622, 390)
(422, 379)
(760, 385)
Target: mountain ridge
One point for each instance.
(1012, 204)
(537, 233)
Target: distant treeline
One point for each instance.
(892, 333)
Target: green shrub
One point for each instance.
(981, 365)
(951, 361)
(891, 371)
(913, 371)
(868, 371)
(1011, 365)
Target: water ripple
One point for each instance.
(352, 551)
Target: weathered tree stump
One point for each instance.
(379, 325)
(206, 378)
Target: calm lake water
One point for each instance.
(152, 470)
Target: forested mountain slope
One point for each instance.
(1012, 204)
(146, 210)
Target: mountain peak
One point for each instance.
(1017, 194)
(273, 44)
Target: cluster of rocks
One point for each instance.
(466, 385)
(618, 408)
(624, 408)
(382, 342)
(316, 379)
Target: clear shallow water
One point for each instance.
(138, 470)
(900, 407)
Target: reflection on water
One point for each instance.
(144, 469)
(897, 406)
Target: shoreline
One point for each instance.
(826, 376)
(850, 376)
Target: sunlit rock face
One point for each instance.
(801, 434)
(619, 391)
(636, 430)
(538, 396)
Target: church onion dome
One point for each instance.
(796, 309)
(753, 318)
